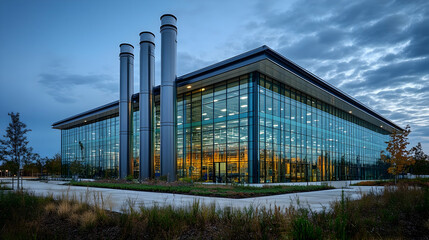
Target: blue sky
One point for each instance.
(59, 58)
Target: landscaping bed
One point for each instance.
(421, 182)
(198, 189)
(396, 213)
(4, 187)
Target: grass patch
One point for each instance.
(400, 212)
(4, 187)
(228, 191)
(422, 182)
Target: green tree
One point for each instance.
(29, 165)
(53, 165)
(3, 165)
(396, 154)
(39, 163)
(421, 166)
(15, 149)
(76, 168)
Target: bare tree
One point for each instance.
(15, 144)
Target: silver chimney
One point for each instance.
(126, 87)
(147, 78)
(168, 96)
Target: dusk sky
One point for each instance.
(60, 58)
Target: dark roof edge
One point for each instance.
(295, 68)
(270, 54)
(327, 86)
(202, 71)
(100, 109)
(94, 110)
(221, 64)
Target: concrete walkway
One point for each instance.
(120, 200)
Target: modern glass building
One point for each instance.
(257, 117)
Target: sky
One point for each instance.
(60, 58)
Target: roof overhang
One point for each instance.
(88, 116)
(272, 64)
(265, 61)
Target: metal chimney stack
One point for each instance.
(168, 96)
(126, 87)
(147, 80)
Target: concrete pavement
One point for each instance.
(120, 200)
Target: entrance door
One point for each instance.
(220, 172)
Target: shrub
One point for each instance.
(129, 178)
(163, 178)
(186, 180)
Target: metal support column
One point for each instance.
(125, 112)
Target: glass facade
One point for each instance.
(247, 129)
(304, 139)
(213, 131)
(92, 148)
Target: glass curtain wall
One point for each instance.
(304, 139)
(135, 141)
(91, 150)
(247, 129)
(213, 131)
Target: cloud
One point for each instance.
(188, 63)
(391, 28)
(377, 51)
(392, 75)
(62, 87)
(419, 44)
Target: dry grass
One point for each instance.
(88, 219)
(64, 209)
(50, 207)
(74, 218)
(83, 211)
(398, 212)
